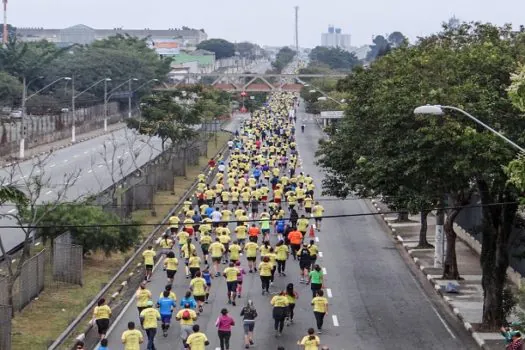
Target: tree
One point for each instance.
(248, 50)
(222, 48)
(166, 115)
(396, 39)
(283, 58)
(382, 147)
(334, 57)
(380, 48)
(91, 227)
(10, 89)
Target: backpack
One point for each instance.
(186, 315)
(250, 314)
(305, 254)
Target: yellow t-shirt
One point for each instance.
(182, 236)
(241, 231)
(171, 264)
(194, 261)
(302, 225)
(205, 238)
(198, 286)
(282, 252)
(150, 316)
(251, 249)
(265, 269)
(226, 215)
(318, 210)
(310, 344)
(280, 301)
(132, 339)
(235, 251)
(231, 274)
(143, 295)
(320, 304)
(174, 221)
(193, 316)
(148, 256)
(216, 249)
(197, 341)
(166, 243)
(102, 312)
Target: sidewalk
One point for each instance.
(46, 148)
(467, 305)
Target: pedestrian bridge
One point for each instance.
(249, 82)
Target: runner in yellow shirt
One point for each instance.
(132, 338)
(149, 260)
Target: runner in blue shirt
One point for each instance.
(166, 306)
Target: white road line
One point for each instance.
(329, 292)
(52, 165)
(66, 160)
(324, 270)
(316, 239)
(10, 211)
(90, 171)
(49, 192)
(85, 152)
(100, 165)
(320, 254)
(75, 156)
(335, 320)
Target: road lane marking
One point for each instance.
(320, 254)
(48, 192)
(75, 156)
(85, 152)
(100, 165)
(66, 160)
(90, 171)
(329, 292)
(10, 211)
(316, 239)
(335, 320)
(324, 270)
(52, 165)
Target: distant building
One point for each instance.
(82, 34)
(336, 38)
(198, 61)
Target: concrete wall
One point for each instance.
(40, 130)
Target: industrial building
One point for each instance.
(336, 38)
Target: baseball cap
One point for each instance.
(149, 303)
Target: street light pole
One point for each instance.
(106, 104)
(23, 136)
(73, 126)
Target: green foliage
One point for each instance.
(334, 58)
(10, 89)
(380, 48)
(13, 194)
(397, 39)
(283, 58)
(91, 227)
(248, 50)
(222, 48)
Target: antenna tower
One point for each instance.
(296, 28)
(4, 36)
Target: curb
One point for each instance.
(52, 149)
(468, 327)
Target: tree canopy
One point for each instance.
(381, 147)
(283, 58)
(222, 48)
(334, 57)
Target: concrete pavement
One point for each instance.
(467, 305)
(99, 162)
(375, 301)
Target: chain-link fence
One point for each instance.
(31, 280)
(67, 260)
(5, 327)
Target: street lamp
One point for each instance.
(25, 98)
(438, 110)
(439, 249)
(74, 97)
(106, 103)
(129, 95)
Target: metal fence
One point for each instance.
(67, 260)
(137, 190)
(5, 327)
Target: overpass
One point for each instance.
(249, 82)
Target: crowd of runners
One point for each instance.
(255, 216)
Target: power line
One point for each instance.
(130, 224)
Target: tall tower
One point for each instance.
(296, 28)
(4, 36)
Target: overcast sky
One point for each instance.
(266, 22)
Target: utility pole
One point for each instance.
(22, 121)
(297, 29)
(439, 248)
(73, 126)
(129, 98)
(105, 105)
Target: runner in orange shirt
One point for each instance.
(253, 233)
(296, 239)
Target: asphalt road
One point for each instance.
(95, 163)
(375, 300)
